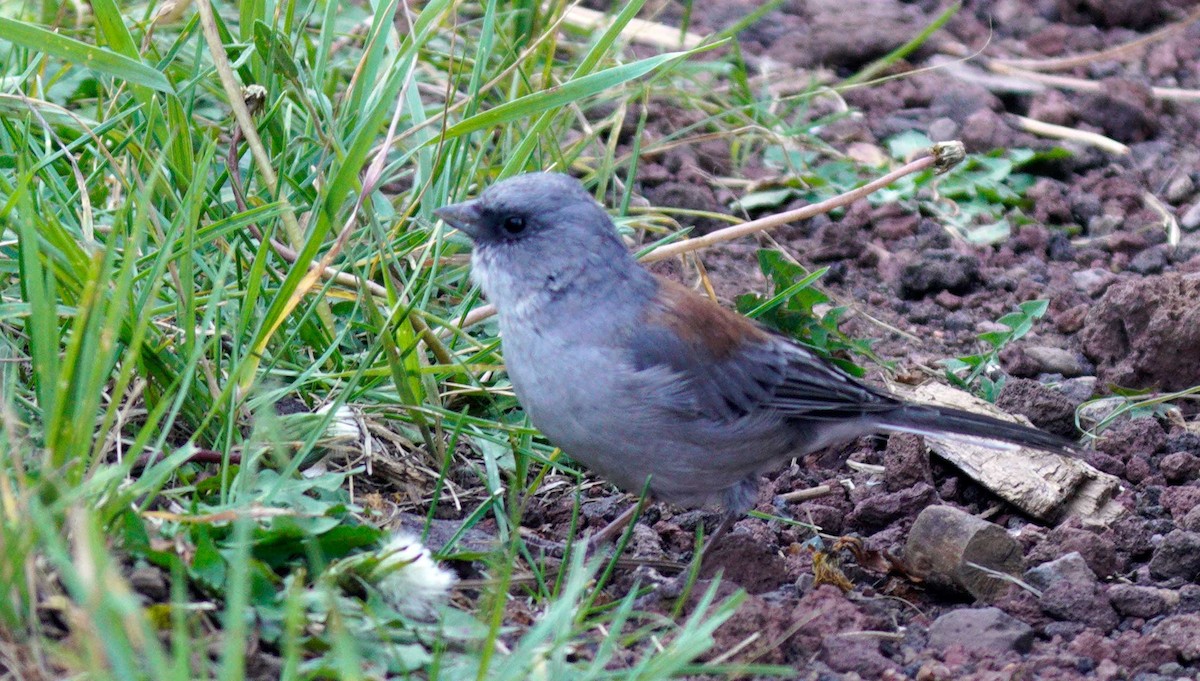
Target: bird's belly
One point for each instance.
(583, 406)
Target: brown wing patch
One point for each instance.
(700, 322)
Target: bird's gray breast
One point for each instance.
(581, 387)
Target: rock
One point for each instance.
(1058, 361)
(1181, 633)
(1179, 189)
(1179, 501)
(857, 656)
(1104, 224)
(988, 631)
(1093, 282)
(850, 33)
(1081, 602)
(935, 271)
(1189, 599)
(1071, 567)
(1150, 261)
(152, 583)
(1134, 14)
(1180, 467)
(1052, 106)
(645, 543)
(1184, 441)
(1139, 436)
(692, 197)
(906, 462)
(1191, 520)
(1178, 556)
(1097, 550)
(753, 565)
(880, 510)
(1146, 333)
(1190, 220)
(1124, 111)
(985, 130)
(1044, 406)
(1138, 601)
(945, 129)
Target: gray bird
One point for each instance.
(640, 378)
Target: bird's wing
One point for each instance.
(727, 366)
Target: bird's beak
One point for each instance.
(463, 216)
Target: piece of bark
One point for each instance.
(1043, 484)
(946, 544)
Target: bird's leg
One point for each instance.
(678, 585)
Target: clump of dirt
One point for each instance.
(1145, 333)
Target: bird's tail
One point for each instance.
(980, 429)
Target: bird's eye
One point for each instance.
(513, 224)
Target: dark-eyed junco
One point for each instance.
(639, 377)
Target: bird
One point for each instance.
(651, 385)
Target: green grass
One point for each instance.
(174, 369)
(182, 389)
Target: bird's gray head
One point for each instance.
(537, 235)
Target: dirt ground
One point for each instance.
(1120, 601)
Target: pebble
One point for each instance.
(1094, 281)
(1149, 261)
(1182, 634)
(1103, 225)
(1051, 360)
(1180, 189)
(1177, 556)
(1190, 220)
(1131, 600)
(1079, 602)
(1070, 567)
(981, 630)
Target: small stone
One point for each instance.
(948, 300)
(152, 583)
(880, 510)
(1189, 598)
(1103, 225)
(1142, 436)
(906, 462)
(1179, 189)
(1070, 567)
(1096, 549)
(945, 129)
(935, 271)
(1182, 634)
(1177, 556)
(1093, 282)
(1078, 390)
(856, 657)
(1150, 261)
(1180, 467)
(990, 631)
(1047, 408)
(1079, 602)
(1058, 361)
(1131, 600)
(1191, 520)
(1190, 220)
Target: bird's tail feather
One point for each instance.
(945, 421)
